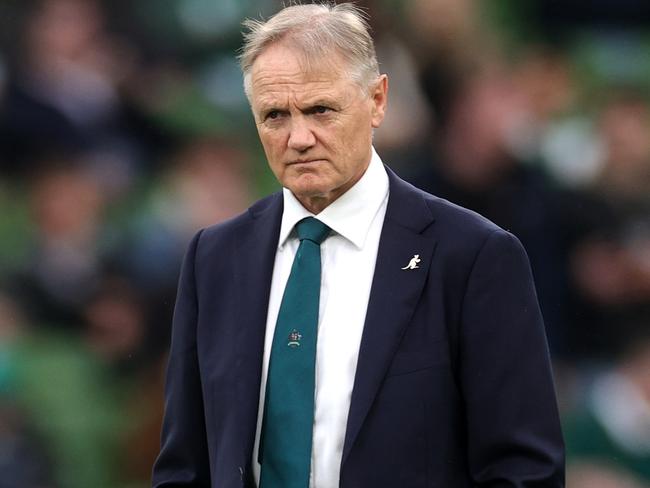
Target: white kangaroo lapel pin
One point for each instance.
(413, 263)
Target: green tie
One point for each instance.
(285, 442)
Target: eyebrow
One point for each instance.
(265, 108)
(321, 100)
(271, 104)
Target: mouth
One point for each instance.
(304, 162)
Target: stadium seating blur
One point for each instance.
(124, 129)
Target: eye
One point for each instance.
(273, 114)
(320, 109)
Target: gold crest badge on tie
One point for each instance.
(294, 339)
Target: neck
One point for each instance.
(315, 205)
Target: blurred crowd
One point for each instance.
(124, 129)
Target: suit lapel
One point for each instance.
(254, 257)
(394, 295)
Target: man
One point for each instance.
(352, 330)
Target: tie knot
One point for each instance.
(312, 229)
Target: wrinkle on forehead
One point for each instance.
(312, 60)
(281, 72)
(303, 93)
(296, 76)
(296, 79)
(274, 86)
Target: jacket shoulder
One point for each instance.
(459, 232)
(463, 232)
(217, 233)
(453, 219)
(459, 219)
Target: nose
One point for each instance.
(301, 136)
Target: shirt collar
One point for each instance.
(351, 214)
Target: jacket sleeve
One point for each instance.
(513, 429)
(183, 459)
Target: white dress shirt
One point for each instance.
(348, 259)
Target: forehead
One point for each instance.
(281, 69)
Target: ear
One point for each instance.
(379, 98)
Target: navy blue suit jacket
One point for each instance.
(453, 386)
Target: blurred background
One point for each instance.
(124, 129)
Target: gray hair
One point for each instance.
(315, 30)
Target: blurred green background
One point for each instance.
(124, 129)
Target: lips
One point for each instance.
(306, 161)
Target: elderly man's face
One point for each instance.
(315, 124)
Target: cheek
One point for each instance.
(274, 152)
(274, 144)
(353, 143)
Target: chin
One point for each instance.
(309, 187)
(308, 192)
